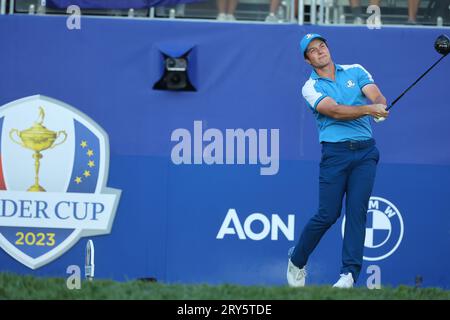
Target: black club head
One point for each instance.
(442, 44)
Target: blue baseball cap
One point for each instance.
(307, 40)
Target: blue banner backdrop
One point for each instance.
(218, 223)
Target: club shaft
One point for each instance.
(415, 82)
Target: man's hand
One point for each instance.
(378, 111)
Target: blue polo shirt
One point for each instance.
(346, 90)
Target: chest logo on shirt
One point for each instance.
(350, 84)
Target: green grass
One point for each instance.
(29, 287)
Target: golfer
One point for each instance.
(337, 95)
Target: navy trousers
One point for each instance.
(346, 168)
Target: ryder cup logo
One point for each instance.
(384, 229)
(53, 172)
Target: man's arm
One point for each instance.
(374, 94)
(330, 108)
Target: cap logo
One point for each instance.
(309, 36)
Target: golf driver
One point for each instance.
(441, 45)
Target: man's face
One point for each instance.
(318, 54)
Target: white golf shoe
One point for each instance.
(345, 281)
(295, 276)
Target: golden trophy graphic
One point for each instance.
(37, 138)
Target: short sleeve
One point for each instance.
(364, 77)
(313, 94)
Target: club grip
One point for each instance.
(377, 120)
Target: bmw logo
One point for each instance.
(384, 229)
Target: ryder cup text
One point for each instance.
(63, 210)
(54, 210)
